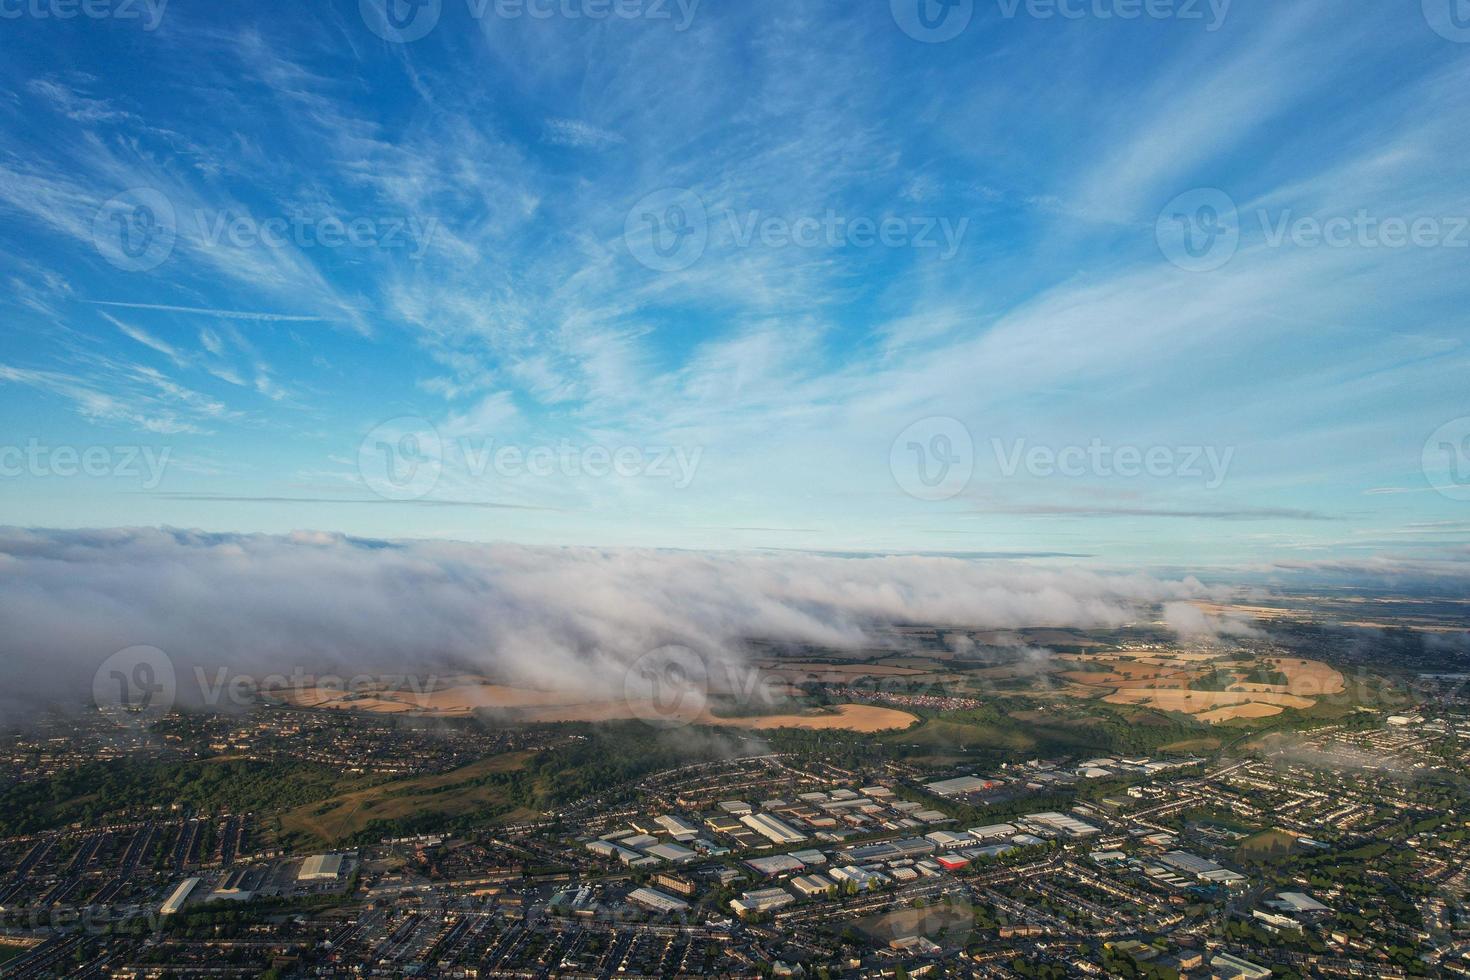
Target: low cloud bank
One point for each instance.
(562, 618)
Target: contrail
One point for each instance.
(228, 314)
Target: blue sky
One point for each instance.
(778, 256)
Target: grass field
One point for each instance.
(450, 794)
(1266, 847)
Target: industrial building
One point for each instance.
(672, 853)
(772, 829)
(960, 785)
(677, 828)
(608, 849)
(178, 896)
(321, 867)
(810, 885)
(1063, 824)
(991, 831)
(776, 864)
(651, 898)
(762, 900)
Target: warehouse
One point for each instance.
(651, 898)
(993, 830)
(776, 864)
(608, 849)
(872, 852)
(860, 877)
(178, 897)
(911, 847)
(771, 828)
(672, 853)
(810, 885)
(321, 867)
(960, 785)
(678, 829)
(762, 900)
(1062, 823)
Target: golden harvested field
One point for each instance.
(528, 705)
(1163, 681)
(1192, 702)
(866, 718)
(1251, 709)
(1309, 678)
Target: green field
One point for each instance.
(471, 790)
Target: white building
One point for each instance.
(762, 900)
(678, 829)
(178, 896)
(321, 867)
(652, 898)
(772, 829)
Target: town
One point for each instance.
(1335, 850)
